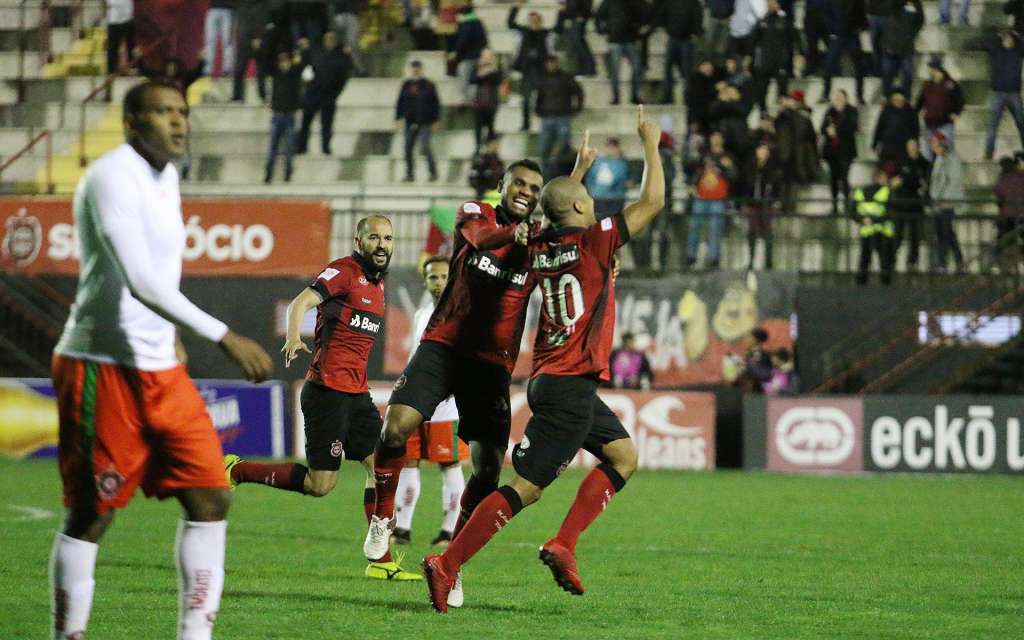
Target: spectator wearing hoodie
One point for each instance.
(1009, 192)
(624, 22)
(530, 57)
(762, 189)
(839, 145)
(717, 34)
(940, 103)
(420, 110)
(607, 180)
(775, 41)
(470, 40)
(744, 20)
(897, 123)
(946, 191)
(1006, 57)
(845, 19)
(683, 21)
(713, 184)
(946, 11)
(572, 21)
(898, 48)
(559, 98)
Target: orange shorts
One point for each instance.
(436, 442)
(121, 428)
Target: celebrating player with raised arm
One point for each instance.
(573, 262)
(340, 417)
(129, 413)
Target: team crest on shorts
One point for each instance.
(336, 449)
(109, 483)
(400, 382)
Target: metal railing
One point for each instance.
(46, 135)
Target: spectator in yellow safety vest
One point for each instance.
(876, 228)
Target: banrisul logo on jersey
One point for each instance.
(556, 258)
(489, 264)
(365, 322)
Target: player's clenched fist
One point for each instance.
(250, 356)
(650, 133)
(523, 233)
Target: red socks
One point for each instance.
(594, 494)
(489, 517)
(387, 468)
(287, 476)
(475, 491)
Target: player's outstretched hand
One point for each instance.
(587, 153)
(250, 356)
(291, 350)
(650, 133)
(523, 233)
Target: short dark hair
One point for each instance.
(433, 259)
(626, 337)
(135, 99)
(525, 163)
(760, 334)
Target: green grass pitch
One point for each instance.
(677, 555)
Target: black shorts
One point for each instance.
(338, 423)
(480, 389)
(567, 416)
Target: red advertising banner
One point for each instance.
(222, 237)
(671, 430)
(815, 434)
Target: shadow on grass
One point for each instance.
(375, 603)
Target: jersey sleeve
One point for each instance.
(479, 227)
(333, 282)
(118, 209)
(605, 237)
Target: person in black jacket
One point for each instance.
(815, 32)
(896, 124)
(1006, 56)
(877, 12)
(332, 67)
(529, 60)
(775, 41)
(419, 108)
(845, 19)
(252, 17)
(683, 21)
(487, 169)
(907, 203)
(572, 21)
(700, 94)
(839, 145)
(624, 22)
(559, 98)
(761, 188)
(285, 100)
(488, 78)
(470, 39)
(901, 29)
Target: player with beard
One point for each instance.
(469, 348)
(574, 263)
(339, 415)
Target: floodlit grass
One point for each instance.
(676, 555)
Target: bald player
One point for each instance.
(573, 262)
(339, 416)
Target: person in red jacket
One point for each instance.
(940, 104)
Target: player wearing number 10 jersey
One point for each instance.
(573, 262)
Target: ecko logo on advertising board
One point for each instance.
(813, 434)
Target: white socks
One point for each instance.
(200, 554)
(451, 494)
(71, 577)
(406, 497)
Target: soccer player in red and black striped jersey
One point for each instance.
(469, 348)
(573, 262)
(339, 415)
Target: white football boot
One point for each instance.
(377, 537)
(455, 597)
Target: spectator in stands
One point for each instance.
(711, 190)
(757, 364)
(623, 22)
(896, 124)
(815, 32)
(530, 57)
(668, 225)
(489, 80)
(683, 21)
(252, 17)
(420, 110)
(700, 94)
(285, 100)
(1009, 192)
(559, 98)
(783, 380)
(775, 41)
(1006, 57)
(331, 68)
(307, 19)
(572, 21)
(764, 132)
(422, 25)
(946, 15)
(120, 30)
(346, 21)
(910, 188)
(1015, 9)
(946, 192)
(940, 103)
(871, 213)
(717, 34)
(607, 180)
(728, 115)
(470, 40)
(798, 148)
(877, 11)
(761, 183)
(845, 19)
(839, 130)
(630, 367)
(745, 16)
(487, 168)
(737, 73)
(219, 28)
(898, 44)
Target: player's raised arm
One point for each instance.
(307, 299)
(652, 189)
(584, 158)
